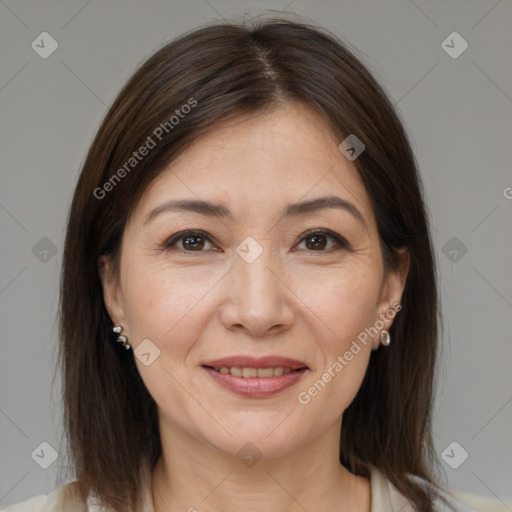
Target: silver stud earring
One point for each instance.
(385, 338)
(121, 338)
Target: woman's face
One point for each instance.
(267, 273)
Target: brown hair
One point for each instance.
(222, 71)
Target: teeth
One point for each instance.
(265, 372)
(237, 372)
(249, 372)
(255, 372)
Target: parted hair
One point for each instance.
(223, 70)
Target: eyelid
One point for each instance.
(341, 242)
(170, 241)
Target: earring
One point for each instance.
(385, 338)
(121, 338)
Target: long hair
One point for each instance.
(218, 72)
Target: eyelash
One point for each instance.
(341, 242)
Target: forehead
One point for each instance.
(260, 162)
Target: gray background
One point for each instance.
(459, 116)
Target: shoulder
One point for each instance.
(34, 504)
(59, 500)
(401, 503)
(387, 498)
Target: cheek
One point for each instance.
(345, 303)
(343, 299)
(167, 308)
(163, 303)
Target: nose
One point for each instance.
(258, 300)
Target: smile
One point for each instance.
(255, 382)
(249, 372)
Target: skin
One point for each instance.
(203, 302)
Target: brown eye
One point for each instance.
(318, 241)
(191, 241)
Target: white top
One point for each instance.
(384, 498)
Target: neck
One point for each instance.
(193, 476)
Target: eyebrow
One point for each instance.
(219, 210)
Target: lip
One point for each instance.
(255, 387)
(256, 362)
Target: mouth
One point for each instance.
(255, 378)
(249, 372)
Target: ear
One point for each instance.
(391, 294)
(112, 294)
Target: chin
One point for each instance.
(263, 438)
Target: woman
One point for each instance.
(248, 302)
